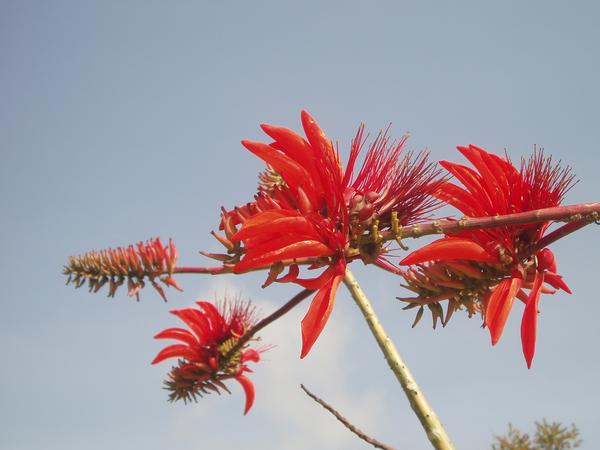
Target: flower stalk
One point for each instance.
(295, 300)
(431, 423)
(583, 213)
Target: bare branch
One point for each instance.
(374, 442)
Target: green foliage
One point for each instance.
(548, 436)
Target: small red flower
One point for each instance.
(502, 257)
(308, 206)
(207, 354)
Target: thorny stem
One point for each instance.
(429, 420)
(295, 300)
(368, 439)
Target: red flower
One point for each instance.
(504, 258)
(309, 207)
(207, 354)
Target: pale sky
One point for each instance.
(121, 121)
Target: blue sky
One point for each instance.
(120, 121)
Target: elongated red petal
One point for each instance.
(317, 282)
(248, 388)
(529, 321)
(300, 249)
(556, 281)
(175, 351)
(318, 314)
(489, 177)
(459, 198)
(195, 320)
(179, 334)
(294, 146)
(447, 249)
(499, 306)
(278, 226)
(291, 171)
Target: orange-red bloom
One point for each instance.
(206, 353)
(505, 259)
(309, 207)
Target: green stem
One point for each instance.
(429, 420)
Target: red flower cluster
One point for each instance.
(309, 208)
(494, 266)
(208, 353)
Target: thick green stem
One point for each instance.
(429, 420)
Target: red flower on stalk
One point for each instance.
(208, 354)
(508, 256)
(310, 209)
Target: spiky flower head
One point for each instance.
(211, 350)
(145, 262)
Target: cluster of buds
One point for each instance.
(146, 261)
(214, 349)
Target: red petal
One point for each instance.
(282, 225)
(176, 351)
(317, 282)
(529, 321)
(499, 306)
(460, 199)
(318, 313)
(546, 260)
(300, 249)
(179, 334)
(319, 142)
(294, 146)
(218, 327)
(292, 172)
(556, 281)
(196, 321)
(248, 387)
(250, 355)
(489, 177)
(448, 249)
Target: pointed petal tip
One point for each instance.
(529, 362)
(248, 388)
(266, 127)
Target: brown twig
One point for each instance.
(583, 212)
(295, 300)
(374, 442)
